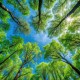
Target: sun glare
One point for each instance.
(69, 19)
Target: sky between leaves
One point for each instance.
(53, 50)
(41, 38)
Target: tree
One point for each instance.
(40, 20)
(6, 12)
(16, 65)
(57, 25)
(70, 41)
(16, 48)
(41, 70)
(31, 51)
(57, 52)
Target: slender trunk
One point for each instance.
(17, 75)
(73, 9)
(20, 4)
(24, 62)
(23, 75)
(44, 76)
(10, 13)
(59, 75)
(75, 69)
(9, 47)
(72, 66)
(9, 73)
(7, 58)
(39, 9)
(1, 52)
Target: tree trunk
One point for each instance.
(75, 69)
(20, 4)
(72, 66)
(39, 9)
(7, 58)
(11, 14)
(72, 11)
(17, 75)
(9, 73)
(9, 47)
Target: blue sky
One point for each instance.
(40, 38)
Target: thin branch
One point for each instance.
(10, 13)
(39, 9)
(23, 74)
(62, 3)
(8, 57)
(20, 4)
(9, 47)
(9, 72)
(20, 69)
(71, 12)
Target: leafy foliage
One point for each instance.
(71, 41)
(21, 60)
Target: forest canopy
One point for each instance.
(22, 57)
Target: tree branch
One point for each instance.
(71, 12)
(39, 9)
(10, 13)
(23, 74)
(19, 4)
(9, 47)
(8, 57)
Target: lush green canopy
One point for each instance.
(19, 60)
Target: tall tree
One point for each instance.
(56, 51)
(31, 51)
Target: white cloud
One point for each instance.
(42, 38)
